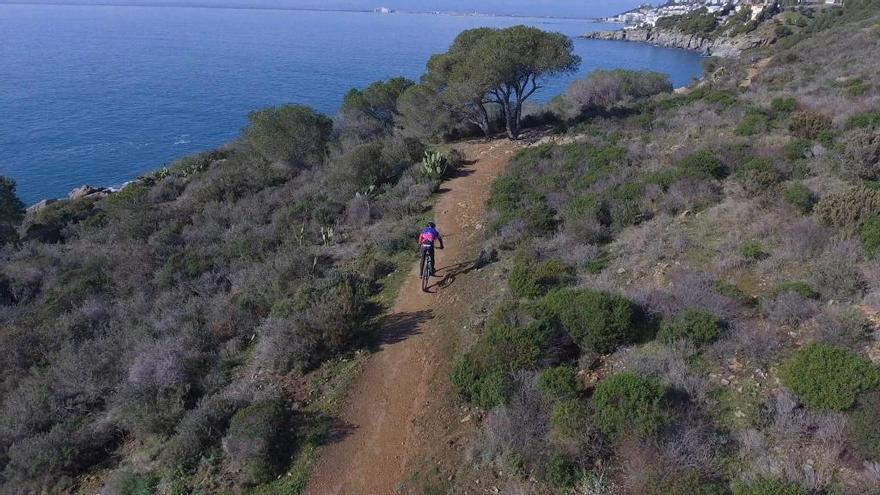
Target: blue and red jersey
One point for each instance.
(428, 236)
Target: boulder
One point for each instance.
(88, 192)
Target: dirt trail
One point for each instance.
(375, 437)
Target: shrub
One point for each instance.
(481, 375)
(808, 124)
(848, 208)
(625, 403)
(753, 250)
(700, 327)
(862, 152)
(800, 197)
(828, 378)
(783, 105)
(607, 88)
(129, 483)
(802, 289)
(871, 235)
(862, 120)
(597, 321)
(755, 122)
(570, 419)
(766, 486)
(253, 444)
(864, 427)
(11, 208)
(757, 175)
(559, 382)
(798, 149)
(560, 471)
(291, 133)
(702, 164)
(530, 279)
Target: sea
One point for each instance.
(99, 94)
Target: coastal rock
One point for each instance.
(89, 192)
(720, 46)
(42, 204)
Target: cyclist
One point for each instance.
(427, 237)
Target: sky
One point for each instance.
(565, 8)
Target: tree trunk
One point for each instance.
(511, 120)
(485, 123)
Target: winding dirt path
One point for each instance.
(375, 437)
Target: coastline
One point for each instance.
(721, 46)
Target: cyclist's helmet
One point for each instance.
(431, 225)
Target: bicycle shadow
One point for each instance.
(452, 272)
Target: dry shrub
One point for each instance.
(862, 152)
(517, 432)
(836, 273)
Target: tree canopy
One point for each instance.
(11, 208)
(501, 67)
(373, 110)
(295, 134)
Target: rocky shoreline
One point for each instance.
(719, 46)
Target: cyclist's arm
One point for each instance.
(440, 240)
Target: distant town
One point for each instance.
(647, 14)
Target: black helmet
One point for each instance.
(431, 225)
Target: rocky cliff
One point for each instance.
(718, 46)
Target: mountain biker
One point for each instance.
(427, 237)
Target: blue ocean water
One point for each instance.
(100, 94)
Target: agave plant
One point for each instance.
(434, 165)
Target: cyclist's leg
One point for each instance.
(433, 262)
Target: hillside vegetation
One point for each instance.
(693, 281)
(193, 332)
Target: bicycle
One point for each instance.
(427, 270)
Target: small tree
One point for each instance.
(295, 134)
(11, 208)
(498, 66)
(373, 110)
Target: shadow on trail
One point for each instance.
(449, 273)
(398, 327)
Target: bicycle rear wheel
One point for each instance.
(427, 267)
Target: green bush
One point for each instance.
(798, 149)
(700, 327)
(480, 376)
(757, 175)
(755, 122)
(783, 105)
(690, 482)
(512, 199)
(862, 120)
(861, 148)
(597, 321)
(254, 443)
(753, 250)
(291, 133)
(765, 486)
(559, 382)
(808, 124)
(848, 208)
(11, 208)
(871, 235)
(529, 279)
(864, 427)
(802, 289)
(560, 471)
(483, 389)
(569, 419)
(828, 378)
(626, 403)
(800, 197)
(702, 164)
(129, 483)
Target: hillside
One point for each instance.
(692, 284)
(678, 293)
